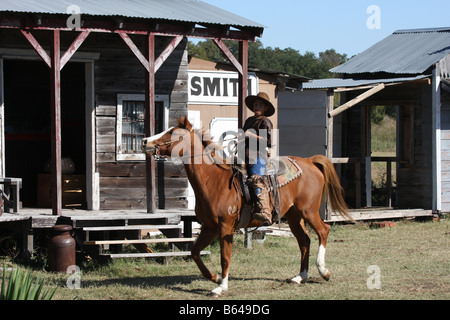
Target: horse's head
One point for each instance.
(163, 143)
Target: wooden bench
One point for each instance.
(11, 187)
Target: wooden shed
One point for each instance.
(82, 82)
(409, 72)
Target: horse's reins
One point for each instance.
(170, 143)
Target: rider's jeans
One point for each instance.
(258, 168)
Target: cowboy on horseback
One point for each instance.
(258, 131)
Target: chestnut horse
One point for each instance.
(218, 205)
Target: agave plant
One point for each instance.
(23, 286)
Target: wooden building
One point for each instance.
(82, 82)
(212, 96)
(408, 71)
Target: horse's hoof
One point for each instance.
(301, 278)
(326, 275)
(292, 281)
(214, 295)
(217, 292)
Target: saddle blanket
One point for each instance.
(287, 170)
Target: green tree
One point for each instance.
(286, 60)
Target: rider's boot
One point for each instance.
(262, 208)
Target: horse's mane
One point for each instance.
(208, 143)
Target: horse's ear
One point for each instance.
(181, 121)
(187, 124)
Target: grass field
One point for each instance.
(413, 260)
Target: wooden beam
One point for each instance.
(55, 88)
(37, 47)
(126, 38)
(243, 82)
(329, 149)
(237, 64)
(167, 52)
(150, 123)
(139, 241)
(73, 47)
(436, 167)
(356, 100)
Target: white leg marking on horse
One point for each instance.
(320, 262)
(222, 287)
(300, 278)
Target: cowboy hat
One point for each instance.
(262, 96)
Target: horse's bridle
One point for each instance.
(168, 144)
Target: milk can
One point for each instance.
(61, 248)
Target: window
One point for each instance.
(130, 123)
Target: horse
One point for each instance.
(218, 204)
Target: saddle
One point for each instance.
(280, 172)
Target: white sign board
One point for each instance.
(218, 87)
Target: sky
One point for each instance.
(348, 26)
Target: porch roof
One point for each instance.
(194, 15)
(333, 83)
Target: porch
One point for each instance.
(101, 234)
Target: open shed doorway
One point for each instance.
(383, 150)
(28, 134)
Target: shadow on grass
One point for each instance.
(181, 283)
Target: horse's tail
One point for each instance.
(332, 186)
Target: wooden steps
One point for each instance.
(162, 240)
(133, 227)
(103, 237)
(152, 255)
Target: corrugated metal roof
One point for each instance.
(403, 52)
(179, 10)
(348, 83)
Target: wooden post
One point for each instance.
(55, 89)
(243, 83)
(330, 128)
(150, 122)
(436, 141)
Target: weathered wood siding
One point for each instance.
(445, 150)
(302, 119)
(414, 181)
(122, 183)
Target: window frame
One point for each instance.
(135, 97)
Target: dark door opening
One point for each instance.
(28, 135)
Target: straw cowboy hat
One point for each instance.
(262, 96)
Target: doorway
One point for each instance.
(383, 151)
(28, 134)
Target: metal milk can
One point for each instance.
(61, 248)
